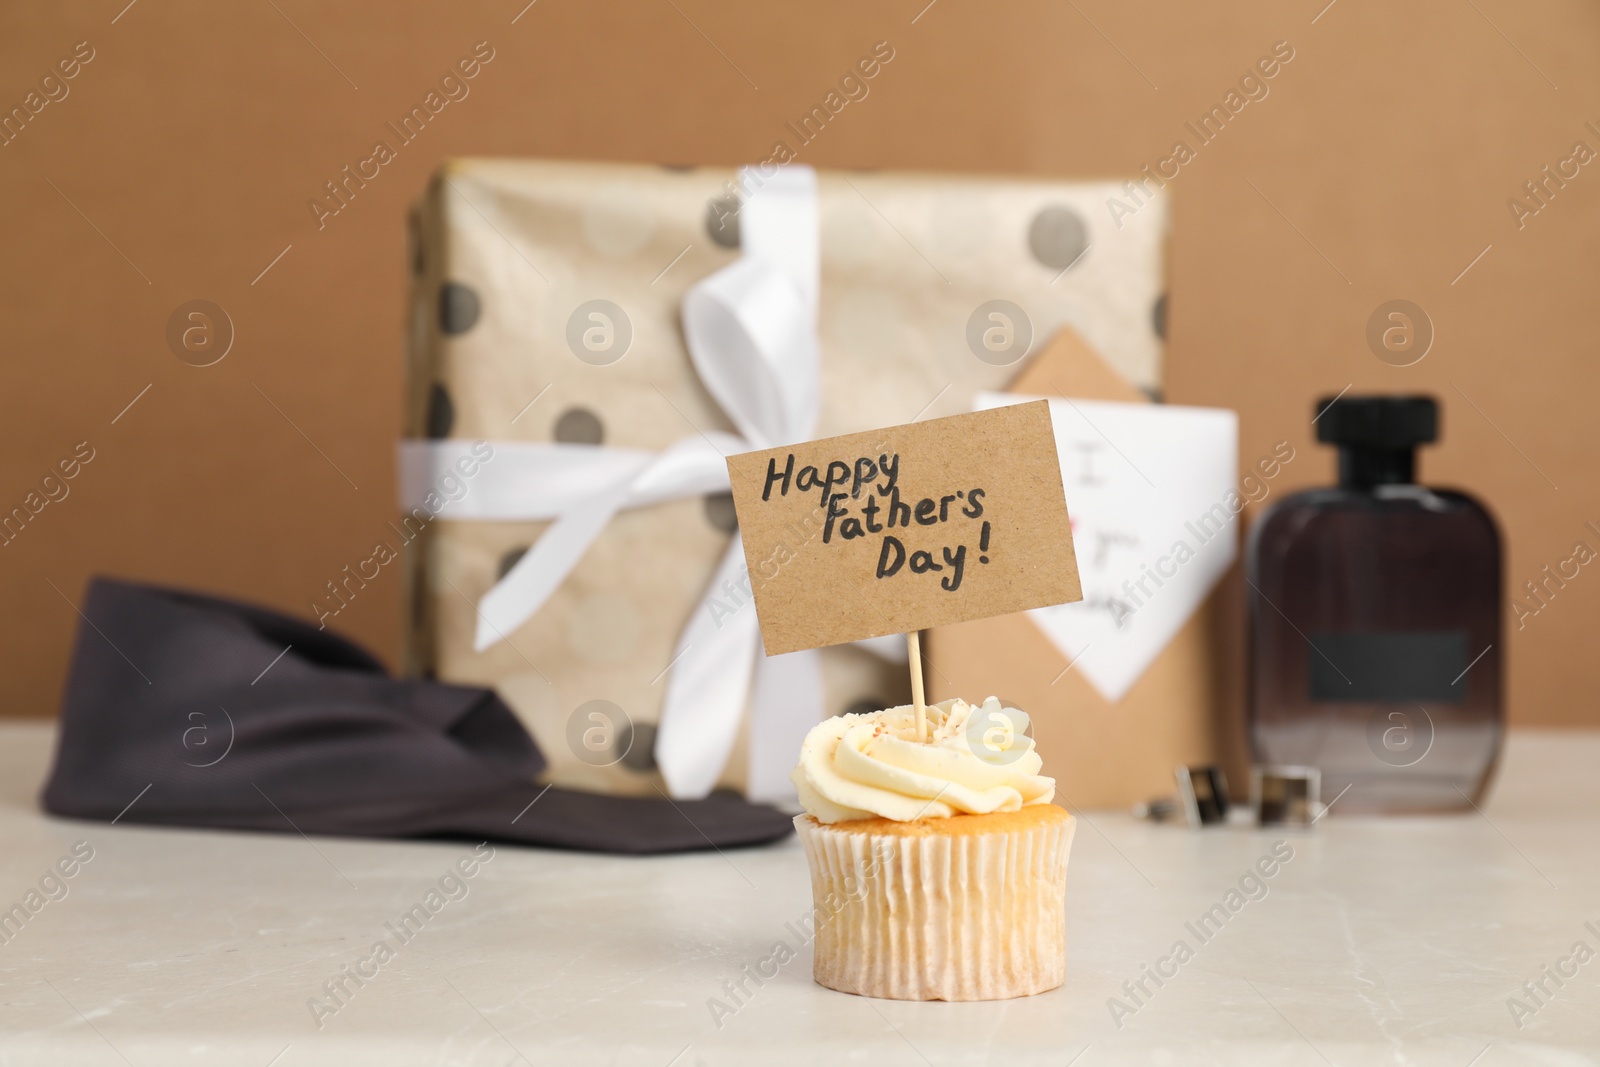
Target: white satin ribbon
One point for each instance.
(752, 336)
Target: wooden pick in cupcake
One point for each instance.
(934, 849)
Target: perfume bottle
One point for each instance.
(1375, 613)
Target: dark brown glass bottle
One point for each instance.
(1375, 615)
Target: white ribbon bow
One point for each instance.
(751, 330)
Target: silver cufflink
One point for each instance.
(1202, 798)
(1203, 795)
(1286, 795)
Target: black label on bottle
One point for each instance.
(1389, 667)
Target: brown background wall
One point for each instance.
(1378, 167)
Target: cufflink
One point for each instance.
(1202, 794)
(1286, 795)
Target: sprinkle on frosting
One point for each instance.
(979, 760)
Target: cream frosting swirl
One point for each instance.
(979, 760)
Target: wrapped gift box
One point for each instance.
(545, 307)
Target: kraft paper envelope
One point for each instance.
(1102, 753)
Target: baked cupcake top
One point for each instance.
(978, 760)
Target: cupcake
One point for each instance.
(938, 866)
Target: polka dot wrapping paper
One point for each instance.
(545, 306)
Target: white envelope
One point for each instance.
(1154, 502)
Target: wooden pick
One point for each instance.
(914, 653)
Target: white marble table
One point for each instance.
(1381, 942)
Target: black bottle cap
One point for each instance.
(1382, 422)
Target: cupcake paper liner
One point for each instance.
(941, 916)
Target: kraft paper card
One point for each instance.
(907, 527)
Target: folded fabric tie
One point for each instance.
(190, 710)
